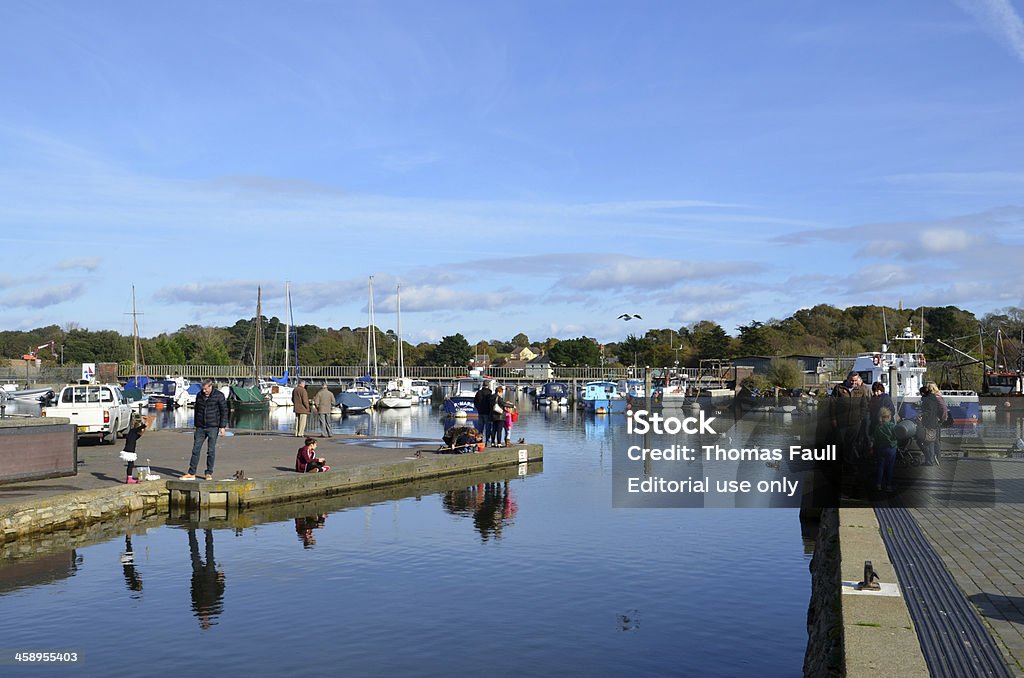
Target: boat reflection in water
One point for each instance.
(178, 417)
(394, 422)
(490, 504)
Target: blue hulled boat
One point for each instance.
(601, 397)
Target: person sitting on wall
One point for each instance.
(306, 460)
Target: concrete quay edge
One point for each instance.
(280, 488)
(76, 509)
(879, 635)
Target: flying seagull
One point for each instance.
(627, 317)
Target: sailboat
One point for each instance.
(138, 381)
(363, 395)
(248, 398)
(279, 391)
(399, 391)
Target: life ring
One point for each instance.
(876, 359)
(923, 361)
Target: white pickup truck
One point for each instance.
(96, 409)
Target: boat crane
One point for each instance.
(33, 353)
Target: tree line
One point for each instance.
(822, 330)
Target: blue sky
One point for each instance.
(530, 166)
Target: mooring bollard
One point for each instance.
(871, 582)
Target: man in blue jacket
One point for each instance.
(211, 420)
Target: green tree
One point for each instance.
(711, 340)
(520, 340)
(452, 350)
(579, 352)
(755, 339)
(634, 350)
(785, 374)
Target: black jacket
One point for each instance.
(212, 411)
(483, 400)
(500, 402)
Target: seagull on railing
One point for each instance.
(627, 317)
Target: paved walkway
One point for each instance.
(982, 549)
(975, 521)
(259, 455)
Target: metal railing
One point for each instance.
(341, 373)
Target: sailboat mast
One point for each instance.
(287, 315)
(398, 308)
(135, 336)
(372, 339)
(259, 335)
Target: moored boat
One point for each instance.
(360, 396)
(601, 397)
(553, 393)
(910, 367)
(460, 397)
(398, 394)
(169, 392)
(422, 389)
(673, 390)
(631, 388)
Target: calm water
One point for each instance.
(502, 574)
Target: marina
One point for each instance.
(577, 445)
(570, 576)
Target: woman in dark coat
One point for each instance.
(497, 417)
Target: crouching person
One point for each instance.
(306, 460)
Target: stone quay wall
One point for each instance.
(79, 509)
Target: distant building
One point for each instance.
(525, 353)
(540, 367)
(810, 365)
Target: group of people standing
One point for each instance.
(494, 414)
(322, 403)
(864, 424)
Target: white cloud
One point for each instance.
(85, 263)
(946, 240)
(999, 18)
(41, 297)
(418, 298)
(640, 273)
(696, 312)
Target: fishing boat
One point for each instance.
(461, 395)
(362, 394)
(399, 391)
(631, 388)
(601, 397)
(553, 394)
(673, 390)
(999, 380)
(903, 371)
(247, 396)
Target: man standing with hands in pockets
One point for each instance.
(211, 420)
(300, 404)
(323, 401)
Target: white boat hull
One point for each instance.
(396, 402)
